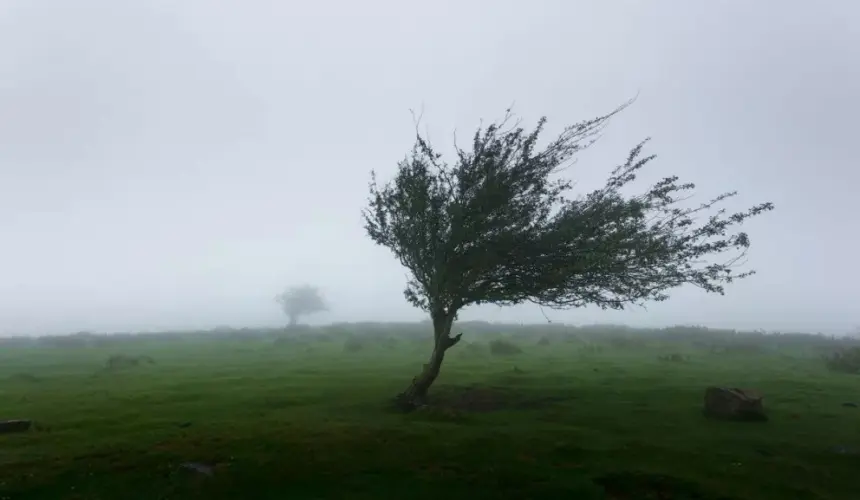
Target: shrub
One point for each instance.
(544, 341)
(845, 360)
(504, 348)
(353, 344)
(673, 357)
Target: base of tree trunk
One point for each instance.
(407, 403)
(414, 397)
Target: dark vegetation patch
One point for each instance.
(354, 344)
(846, 360)
(641, 486)
(673, 357)
(124, 361)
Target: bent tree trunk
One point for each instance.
(416, 394)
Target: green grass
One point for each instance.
(307, 420)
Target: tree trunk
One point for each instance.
(294, 320)
(415, 395)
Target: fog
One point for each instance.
(176, 164)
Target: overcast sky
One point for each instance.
(177, 163)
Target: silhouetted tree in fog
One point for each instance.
(497, 227)
(299, 301)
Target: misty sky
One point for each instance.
(175, 164)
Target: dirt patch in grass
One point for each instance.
(488, 398)
(640, 486)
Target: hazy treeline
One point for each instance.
(701, 337)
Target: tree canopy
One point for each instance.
(498, 225)
(496, 228)
(299, 301)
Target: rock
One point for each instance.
(11, 426)
(725, 403)
(205, 469)
(845, 450)
(849, 405)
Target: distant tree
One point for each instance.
(300, 301)
(496, 227)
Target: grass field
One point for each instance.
(585, 413)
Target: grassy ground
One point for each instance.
(303, 419)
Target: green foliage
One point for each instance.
(125, 361)
(497, 226)
(299, 301)
(501, 347)
(845, 360)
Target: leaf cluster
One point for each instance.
(497, 225)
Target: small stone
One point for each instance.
(845, 450)
(198, 467)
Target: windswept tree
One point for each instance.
(497, 226)
(300, 301)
